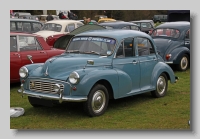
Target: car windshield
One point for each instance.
(172, 33)
(92, 45)
(52, 27)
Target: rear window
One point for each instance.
(172, 33)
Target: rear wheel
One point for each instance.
(184, 63)
(97, 101)
(161, 86)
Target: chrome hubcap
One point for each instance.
(98, 101)
(184, 63)
(161, 85)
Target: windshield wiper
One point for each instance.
(73, 51)
(93, 52)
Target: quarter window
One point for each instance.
(12, 26)
(187, 35)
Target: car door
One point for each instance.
(147, 61)
(127, 66)
(187, 39)
(15, 59)
(28, 45)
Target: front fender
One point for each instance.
(91, 77)
(177, 54)
(162, 68)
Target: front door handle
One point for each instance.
(135, 62)
(16, 54)
(42, 52)
(154, 59)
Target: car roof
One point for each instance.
(117, 24)
(180, 25)
(142, 21)
(23, 20)
(117, 34)
(64, 21)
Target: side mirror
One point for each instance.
(30, 58)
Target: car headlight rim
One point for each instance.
(23, 72)
(74, 78)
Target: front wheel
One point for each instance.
(184, 63)
(161, 86)
(97, 101)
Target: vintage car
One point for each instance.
(97, 66)
(23, 44)
(56, 27)
(25, 25)
(120, 25)
(146, 26)
(173, 43)
(61, 41)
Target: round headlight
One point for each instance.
(23, 72)
(56, 87)
(74, 78)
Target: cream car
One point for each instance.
(56, 27)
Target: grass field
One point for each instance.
(139, 112)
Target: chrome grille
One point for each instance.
(43, 86)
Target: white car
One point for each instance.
(56, 27)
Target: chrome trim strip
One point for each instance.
(148, 60)
(169, 62)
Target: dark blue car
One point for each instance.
(173, 43)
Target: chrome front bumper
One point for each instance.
(59, 96)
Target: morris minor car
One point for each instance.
(172, 40)
(97, 66)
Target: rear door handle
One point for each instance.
(187, 42)
(42, 52)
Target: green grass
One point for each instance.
(139, 112)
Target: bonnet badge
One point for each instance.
(46, 72)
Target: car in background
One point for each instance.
(58, 27)
(96, 67)
(159, 18)
(173, 43)
(146, 26)
(120, 25)
(23, 44)
(24, 25)
(101, 20)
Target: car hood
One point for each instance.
(59, 67)
(45, 33)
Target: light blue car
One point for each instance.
(97, 66)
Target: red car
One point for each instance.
(23, 44)
(51, 39)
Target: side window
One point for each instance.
(78, 25)
(126, 49)
(28, 43)
(126, 27)
(12, 26)
(19, 26)
(13, 44)
(36, 26)
(187, 35)
(71, 27)
(134, 28)
(26, 26)
(144, 47)
(146, 25)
